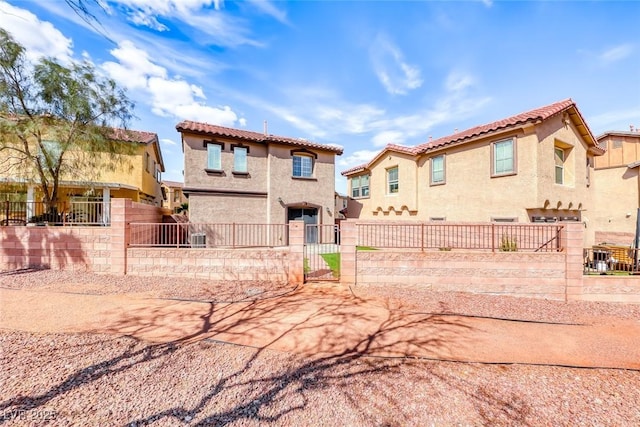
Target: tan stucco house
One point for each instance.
(617, 186)
(234, 175)
(173, 196)
(536, 166)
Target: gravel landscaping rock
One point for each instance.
(96, 380)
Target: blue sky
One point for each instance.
(359, 74)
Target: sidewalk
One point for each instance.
(327, 321)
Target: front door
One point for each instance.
(310, 217)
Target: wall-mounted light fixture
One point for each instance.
(279, 199)
(328, 210)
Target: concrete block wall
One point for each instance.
(534, 275)
(58, 248)
(256, 264)
(624, 289)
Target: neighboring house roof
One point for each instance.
(214, 130)
(619, 133)
(534, 116)
(174, 184)
(141, 137)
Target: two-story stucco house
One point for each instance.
(234, 175)
(136, 176)
(617, 187)
(534, 166)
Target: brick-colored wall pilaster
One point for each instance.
(573, 242)
(119, 235)
(348, 240)
(296, 248)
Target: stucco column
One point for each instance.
(296, 252)
(106, 205)
(119, 235)
(348, 241)
(573, 242)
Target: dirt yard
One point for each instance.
(113, 379)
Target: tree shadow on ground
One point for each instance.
(324, 329)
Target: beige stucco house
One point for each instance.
(234, 175)
(173, 196)
(617, 187)
(534, 166)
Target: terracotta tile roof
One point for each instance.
(214, 130)
(389, 147)
(129, 135)
(530, 116)
(174, 184)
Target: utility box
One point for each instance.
(198, 240)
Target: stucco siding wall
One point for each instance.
(195, 163)
(318, 191)
(470, 193)
(616, 200)
(204, 208)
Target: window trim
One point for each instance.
(306, 155)
(432, 182)
(397, 180)
(556, 150)
(359, 187)
(514, 154)
(208, 168)
(246, 159)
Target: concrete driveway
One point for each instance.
(327, 321)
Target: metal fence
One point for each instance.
(611, 259)
(189, 235)
(493, 237)
(62, 213)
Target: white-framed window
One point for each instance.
(302, 166)
(392, 180)
(214, 156)
(559, 158)
(240, 159)
(437, 170)
(503, 155)
(360, 186)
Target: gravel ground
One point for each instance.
(170, 287)
(504, 307)
(89, 379)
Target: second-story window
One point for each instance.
(504, 159)
(437, 170)
(360, 186)
(392, 180)
(214, 156)
(240, 159)
(559, 162)
(302, 166)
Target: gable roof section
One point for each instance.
(532, 116)
(140, 137)
(529, 117)
(221, 131)
(394, 148)
(619, 134)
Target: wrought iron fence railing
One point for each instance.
(191, 235)
(611, 259)
(491, 237)
(61, 213)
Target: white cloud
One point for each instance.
(396, 75)
(388, 137)
(616, 53)
(615, 120)
(270, 9)
(168, 96)
(356, 158)
(167, 141)
(40, 38)
(458, 81)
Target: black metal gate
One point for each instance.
(321, 252)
